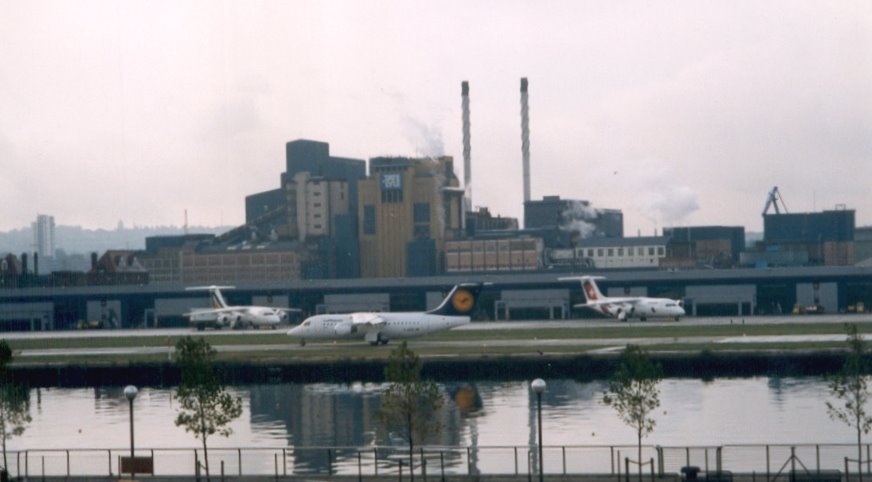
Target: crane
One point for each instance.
(773, 200)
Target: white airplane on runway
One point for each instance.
(221, 314)
(626, 307)
(377, 328)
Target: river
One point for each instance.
(718, 412)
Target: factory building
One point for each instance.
(408, 208)
(801, 239)
(863, 246)
(316, 206)
(574, 216)
(704, 246)
(518, 253)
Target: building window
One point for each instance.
(422, 230)
(421, 213)
(590, 252)
(599, 252)
(620, 251)
(369, 219)
(650, 251)
(611, 252)
(660, 250)
(392, 196)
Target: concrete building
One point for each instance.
(639, 252)
(408, 208)
(863, 246)
(483, 255)
(44, 240)
(704, 246)
(825, 238)
(574, 216)
(314, 204)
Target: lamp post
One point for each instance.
(538, 386)
(130, 392)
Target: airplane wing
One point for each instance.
(289, 310)
(214, 311)
(366, 319)
(612, 301)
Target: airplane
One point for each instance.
(627, 307)
(378, 328)
(221, 314)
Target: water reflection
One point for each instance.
(475, 415)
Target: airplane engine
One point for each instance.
(224, 320)
(625, 313)
(344, 328)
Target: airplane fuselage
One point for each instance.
(640, 308)
(237, 317)
(389, 326)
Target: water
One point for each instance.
(490, 414)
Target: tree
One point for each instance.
(206, 407)
(634, 394)
(14, 413)
(851, 386)
(14, 403)
(409, 403)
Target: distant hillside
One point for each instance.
(75, 239)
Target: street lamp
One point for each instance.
(538, 386)
(130, 392)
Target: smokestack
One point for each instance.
(525, 139)
(467, 148)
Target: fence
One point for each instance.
(764, 460)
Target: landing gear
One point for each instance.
(643, 318)
(302, 342)
(677, 318)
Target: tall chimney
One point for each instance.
(525, 139)
(467, 148)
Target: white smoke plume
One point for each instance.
(426, 139)
(577, 219)
(661, 198)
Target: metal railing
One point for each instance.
(762, 460)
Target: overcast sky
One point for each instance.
(678, 113)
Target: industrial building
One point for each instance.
(704, 246)
(573, 216)
(408, 208)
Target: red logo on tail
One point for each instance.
(589, 290)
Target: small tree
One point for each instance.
(409, 403)
(205, 405)
(14, 403)
(851, 386)
(634, 394)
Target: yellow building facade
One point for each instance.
(408, 208)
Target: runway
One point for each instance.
(540, 341)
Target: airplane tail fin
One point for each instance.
(460, 301)
(592, 293)
(591, 290)
(218, 300)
